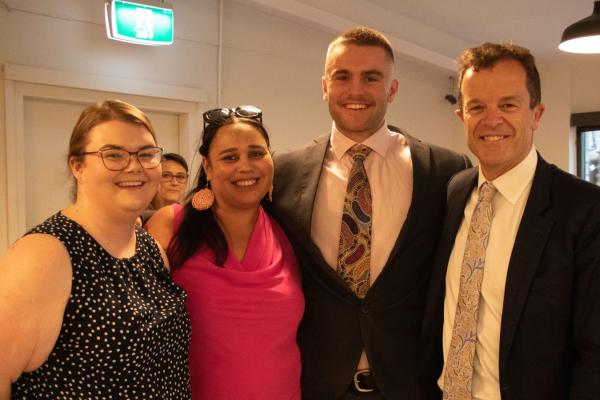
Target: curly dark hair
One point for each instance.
(489, 54)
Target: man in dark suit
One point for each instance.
(363, 207)
(515, 293)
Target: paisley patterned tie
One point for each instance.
(459, 362)
(354, 256)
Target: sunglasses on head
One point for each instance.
(220, 115)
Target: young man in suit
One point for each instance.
(515, 293)
(363, 206)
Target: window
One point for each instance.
(588, 145)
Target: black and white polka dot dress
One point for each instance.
(125, 332)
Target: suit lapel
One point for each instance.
(529, 244)
(308, 182)
(307, 190)
(459, 190)
(421, 172)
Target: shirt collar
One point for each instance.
(379, 141)
(512, 183)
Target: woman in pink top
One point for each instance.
(238, 268)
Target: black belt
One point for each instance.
(363, 381)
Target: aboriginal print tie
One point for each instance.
(354, 256)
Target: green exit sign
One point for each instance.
(146, 22)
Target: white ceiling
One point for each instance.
(431, 31)
(435, 31)
(537, 24)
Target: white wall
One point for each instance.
(570, 85)
(69, 35)
(585, 83)
(553, 138)
(277, 64)
(421, 108)
(3, 194)
(268, 60)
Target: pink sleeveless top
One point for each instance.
(244, 318)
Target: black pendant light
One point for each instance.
(583, 36)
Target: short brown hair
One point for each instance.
(363, 36)
(489, 54)
(97, 114)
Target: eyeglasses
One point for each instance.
(119, 159)
(220, 115)
(179, 178)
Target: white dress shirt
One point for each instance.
(390, 172)
(508, 204)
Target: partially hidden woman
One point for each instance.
(172, 186)
(87, 307)
(237, 266)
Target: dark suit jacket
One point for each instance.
(550, 328)
(337, 325)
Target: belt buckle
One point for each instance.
(357, 381)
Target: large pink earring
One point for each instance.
(203, 199)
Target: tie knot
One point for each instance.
(359, 152)
(487, 192)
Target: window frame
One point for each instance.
(583, 122)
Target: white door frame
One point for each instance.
(21, 82)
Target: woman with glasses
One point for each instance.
(171, 188)
(87, 307)
(238, 268)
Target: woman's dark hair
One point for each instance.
(176, 158)
(199, 228)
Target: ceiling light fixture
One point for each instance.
(583, 36)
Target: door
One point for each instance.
(39, 121)
(47, 126)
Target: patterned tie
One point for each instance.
(459, 363)
(354, 256)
